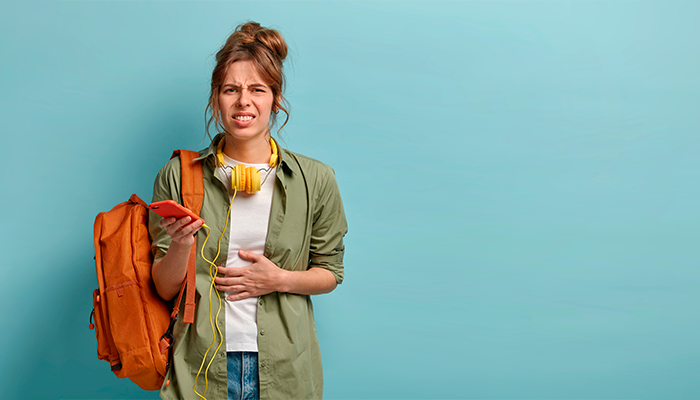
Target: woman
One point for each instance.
(276, 246)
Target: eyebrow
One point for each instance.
(254, 84)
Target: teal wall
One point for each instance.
(520, 179)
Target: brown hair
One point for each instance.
(267, 50)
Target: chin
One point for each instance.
(246, 134)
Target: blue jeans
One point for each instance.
(242, 375)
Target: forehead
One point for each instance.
(243, 73)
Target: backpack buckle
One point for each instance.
(168, 335)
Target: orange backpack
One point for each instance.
(132, 323)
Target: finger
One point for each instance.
(166, 222)
(181, 222)
(227, 281)
(235, 289)
(186, 233)
(239, 296)
(183, 227)
(231, 287)
(246, 255)
(231, 271)
(192, 228)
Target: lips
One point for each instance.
(243, 119)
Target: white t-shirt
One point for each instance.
(250, 215)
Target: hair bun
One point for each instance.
(270, 38)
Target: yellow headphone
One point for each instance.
(242, 177)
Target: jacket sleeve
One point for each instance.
(165, 187)
(329, 227)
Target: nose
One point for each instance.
(243, 99)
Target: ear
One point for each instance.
(216, 111)
(215, 105)
(277, 103)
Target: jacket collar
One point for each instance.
(210, 154)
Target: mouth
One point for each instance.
(243, 116)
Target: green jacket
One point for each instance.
(306, 229)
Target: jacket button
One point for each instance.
(262, 332)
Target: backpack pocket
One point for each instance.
(106, 350)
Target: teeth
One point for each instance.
(243, 118)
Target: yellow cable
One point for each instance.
(212, 275)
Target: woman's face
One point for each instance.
(245, 102)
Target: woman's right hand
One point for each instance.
(169, 273)
(181, 230)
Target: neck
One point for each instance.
(253, 151)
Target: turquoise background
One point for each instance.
(520, 179)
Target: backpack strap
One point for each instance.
(192, 189)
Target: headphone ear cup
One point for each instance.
(233, 177)
(238, 177)
(249, 180)
(241, 177)
(252, 180)
(255, 175)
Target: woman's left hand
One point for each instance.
(257, 279)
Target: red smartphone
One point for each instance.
(169, 208)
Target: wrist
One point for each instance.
(179, 247)
(284, 281)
